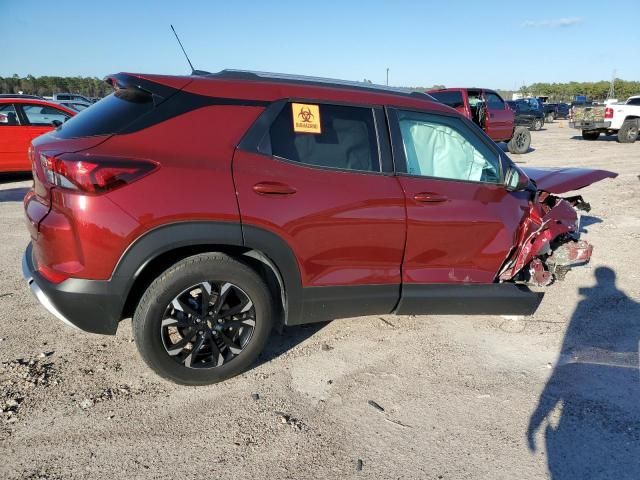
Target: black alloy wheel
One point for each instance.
(204, 319)
(208, 324)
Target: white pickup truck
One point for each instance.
(621, 119)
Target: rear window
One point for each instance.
(345, 137)
(453, 99)
(109, 115)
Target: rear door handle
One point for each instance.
(273, 188)
(428, 197)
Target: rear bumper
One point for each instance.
(89, 305)
(587, 125)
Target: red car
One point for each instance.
(22, 120)
(211, 207)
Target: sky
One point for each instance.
(493, 44)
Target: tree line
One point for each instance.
(47, 86)
(594, 90)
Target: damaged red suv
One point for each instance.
(212, 207)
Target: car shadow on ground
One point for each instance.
(601, 138)
(588, 409)
(505, 149)
(13, 194)
(15, 177)
(280, 343)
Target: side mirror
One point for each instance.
(56, 123)
(515, 180)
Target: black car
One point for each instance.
(526, 115)
(562, 110)
(556, 110)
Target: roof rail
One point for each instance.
(318, 81)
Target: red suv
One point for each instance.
(210, 207)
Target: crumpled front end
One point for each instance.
(548, 243)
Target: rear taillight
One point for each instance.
(608, 112)
(92, 174)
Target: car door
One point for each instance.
(499, 121)
(461, 221)
(320, 176)
(13, 140)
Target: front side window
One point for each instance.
(444, 147)
(42, 115)
(331, 136)
(8, 115)
(494, 101)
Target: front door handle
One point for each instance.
(273, 188)
(429, 197)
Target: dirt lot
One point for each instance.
(552, 395)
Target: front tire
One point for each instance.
(590, 135)
(537, 124)
(205, 319)
(628, 132)
(550, 118)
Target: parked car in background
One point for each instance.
(525, 115)
(75, 105)
(489, 111)
(550, 111)
(314, 200)
(19, 95)
(70, 97)
(620, 119)
(562, 110)
(22, 120)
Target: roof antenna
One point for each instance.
(193, 70)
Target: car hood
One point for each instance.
(560, 180)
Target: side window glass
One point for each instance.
(330, 136)
(494, 101)
(453, 99)
(42, 115)
(8, 115)
(445, 148)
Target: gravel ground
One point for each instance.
(553, 395)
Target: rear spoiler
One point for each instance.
(158, 92)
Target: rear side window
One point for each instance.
(453, 99)
(109, 115)
(342, 137)
(42, 115)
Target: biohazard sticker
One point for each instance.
(306, 118)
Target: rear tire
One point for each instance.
(628, 133)
(178, 337)
(590, 135)
(520, 141)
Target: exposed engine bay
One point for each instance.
(549, 240)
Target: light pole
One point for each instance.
(387, 76)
